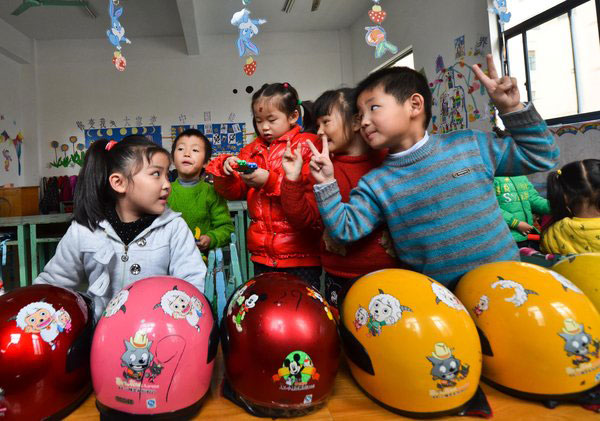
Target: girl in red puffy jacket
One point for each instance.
(274, 243)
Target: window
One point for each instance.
(404, 58)
(563, 37)
(531, 59)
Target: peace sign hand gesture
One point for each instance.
(321, 166)
(292, 162)
(503, 91)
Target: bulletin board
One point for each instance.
(225, 138)
(153, 133)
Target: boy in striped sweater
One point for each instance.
(435, 192)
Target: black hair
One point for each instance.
(574, 185)
(343, 100)
(287, 102)
(401, 83)
(197, 133)
(93, 191)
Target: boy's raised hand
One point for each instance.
(292, 162)
(321, 166)
(503, 91)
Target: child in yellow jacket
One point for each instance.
(574, 195)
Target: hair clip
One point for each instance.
(299, 102)
(559, 172)
(110, 145)
(286, 85)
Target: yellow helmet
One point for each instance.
(584, 271)
(398, 324)
(540, 333)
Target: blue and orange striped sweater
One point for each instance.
(439, 202)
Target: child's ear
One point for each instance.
(355, 125)
(417, 105)
(293, 117)
(118, 182)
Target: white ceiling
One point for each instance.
(159, 18)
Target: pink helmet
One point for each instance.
(154, 349)
(45, 338)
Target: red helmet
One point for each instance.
(280, 345)
(45, 338)
(154, 349)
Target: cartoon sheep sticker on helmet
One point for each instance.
(179, 305)
(41, 318)
(566, 284)
(521, 293)
(443, 295)
(578, 342)
(117, 303)
(384, 310)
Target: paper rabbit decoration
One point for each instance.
(248, 28)
(116, 34)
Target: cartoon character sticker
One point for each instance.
(41, 318)
(314, 294)
(482, 305)
(117, 303)
(446, 370)
(578, 342)
(521, 294)
(179, 305)
(443, 295)
(248, 28)
(237, 294)
(138, 360)
(245, 305)
(384, 310)
(566, 284)
(296, 372)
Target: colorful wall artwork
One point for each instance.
(154, 133)
(67, 156)
(225, 138)
(459, 100)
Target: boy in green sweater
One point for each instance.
(202, 208)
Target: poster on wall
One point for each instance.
(225, 138)
(153, 133)
(459, 100)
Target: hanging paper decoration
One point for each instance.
(116, 34)
(250, 66)
(248, 28)
(501, 9)
(18, 141)
(376, 36)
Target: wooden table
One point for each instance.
(348, 403)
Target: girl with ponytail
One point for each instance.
(123, 230)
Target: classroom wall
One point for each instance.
(431, 28)
(78, 82)
(17, 117)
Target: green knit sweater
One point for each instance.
(202, 207)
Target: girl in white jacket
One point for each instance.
(122, 229)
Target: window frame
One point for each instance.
(397, 57)
(547, 15)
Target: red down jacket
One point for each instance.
(272, 240)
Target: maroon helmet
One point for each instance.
(280, 345)
(45, 339)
